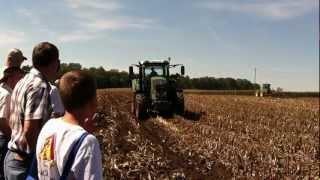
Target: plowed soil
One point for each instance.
(219, 137)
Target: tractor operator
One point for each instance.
(153, 72)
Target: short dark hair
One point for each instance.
(44, 54)
(77, 88)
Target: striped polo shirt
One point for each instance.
(30, 100)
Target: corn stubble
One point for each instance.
(227, 137)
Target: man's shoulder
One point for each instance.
(37, 82)
(30, 83)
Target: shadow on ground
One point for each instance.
(193, 116)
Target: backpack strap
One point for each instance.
(72, 156)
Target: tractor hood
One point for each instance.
(158, 88)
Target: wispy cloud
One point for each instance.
(28, 15)
(76, 36)
(95, 4)
(99, 16)
(10, 38)
(119, 23)
(278, 10)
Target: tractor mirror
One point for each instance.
(130, 72)
(182, 70)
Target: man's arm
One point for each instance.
(36, 108)
(31, 130)
(4, 127)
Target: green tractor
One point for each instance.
(155, 90)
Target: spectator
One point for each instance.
(30, 109)
(10, 78)
(59, 136)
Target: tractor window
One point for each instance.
(154, 71)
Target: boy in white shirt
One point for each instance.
(58, 136)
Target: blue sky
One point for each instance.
(220, 38)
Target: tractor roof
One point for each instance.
(153, 62)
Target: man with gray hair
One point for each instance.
(30, 109)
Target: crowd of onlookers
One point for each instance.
(45, 123)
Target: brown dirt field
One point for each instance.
(219, 137)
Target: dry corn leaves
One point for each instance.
(223, 137)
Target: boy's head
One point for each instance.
(78, 93)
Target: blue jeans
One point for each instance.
(3, 152)
(15, 169)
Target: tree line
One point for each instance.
(212, 83)
(120, 79)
